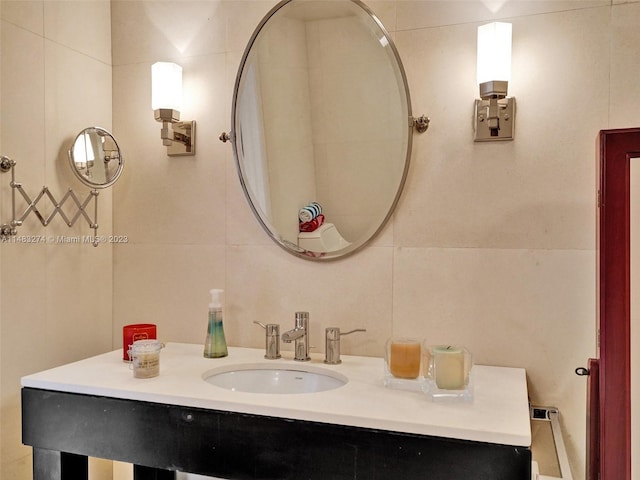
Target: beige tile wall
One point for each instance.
(492, 245)
(55, 300)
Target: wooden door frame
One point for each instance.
(613, 448)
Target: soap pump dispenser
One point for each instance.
(215, 345)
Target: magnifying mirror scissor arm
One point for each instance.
(97, 162)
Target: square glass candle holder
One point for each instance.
(448, 373)
(403, 363)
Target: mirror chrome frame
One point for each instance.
(421, 124)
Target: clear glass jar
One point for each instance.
(448, 370)
(145, 358)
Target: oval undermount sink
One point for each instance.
(260, 378)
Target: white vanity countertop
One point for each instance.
(498, 414)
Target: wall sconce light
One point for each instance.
(494, 111)
(166, 101)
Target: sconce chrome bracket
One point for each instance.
(494, 119)
(179, 137)
(421, 124)
(183, 139)
(9, 230)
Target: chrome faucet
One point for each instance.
(300, 334)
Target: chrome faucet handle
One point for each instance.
(272, 340)
(332, 344)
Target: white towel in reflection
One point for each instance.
(308, 213)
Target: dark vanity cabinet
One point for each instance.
(66, 428)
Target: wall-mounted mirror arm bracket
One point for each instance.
(10, 229)
(421, 123)
(6, 164)
(225, 137)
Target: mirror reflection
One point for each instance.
(321, 131)
(95, 158)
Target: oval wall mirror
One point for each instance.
(96, 158)
(321, 126)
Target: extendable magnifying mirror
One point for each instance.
(96, 158)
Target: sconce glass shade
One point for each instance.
(494, 58)
(166, 86)
(166, 101)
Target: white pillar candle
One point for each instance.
(449, 367)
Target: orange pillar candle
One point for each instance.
(404, 358)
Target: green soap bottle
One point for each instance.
(215, 345)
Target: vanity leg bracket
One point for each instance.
(53, 465)
(148, 473)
